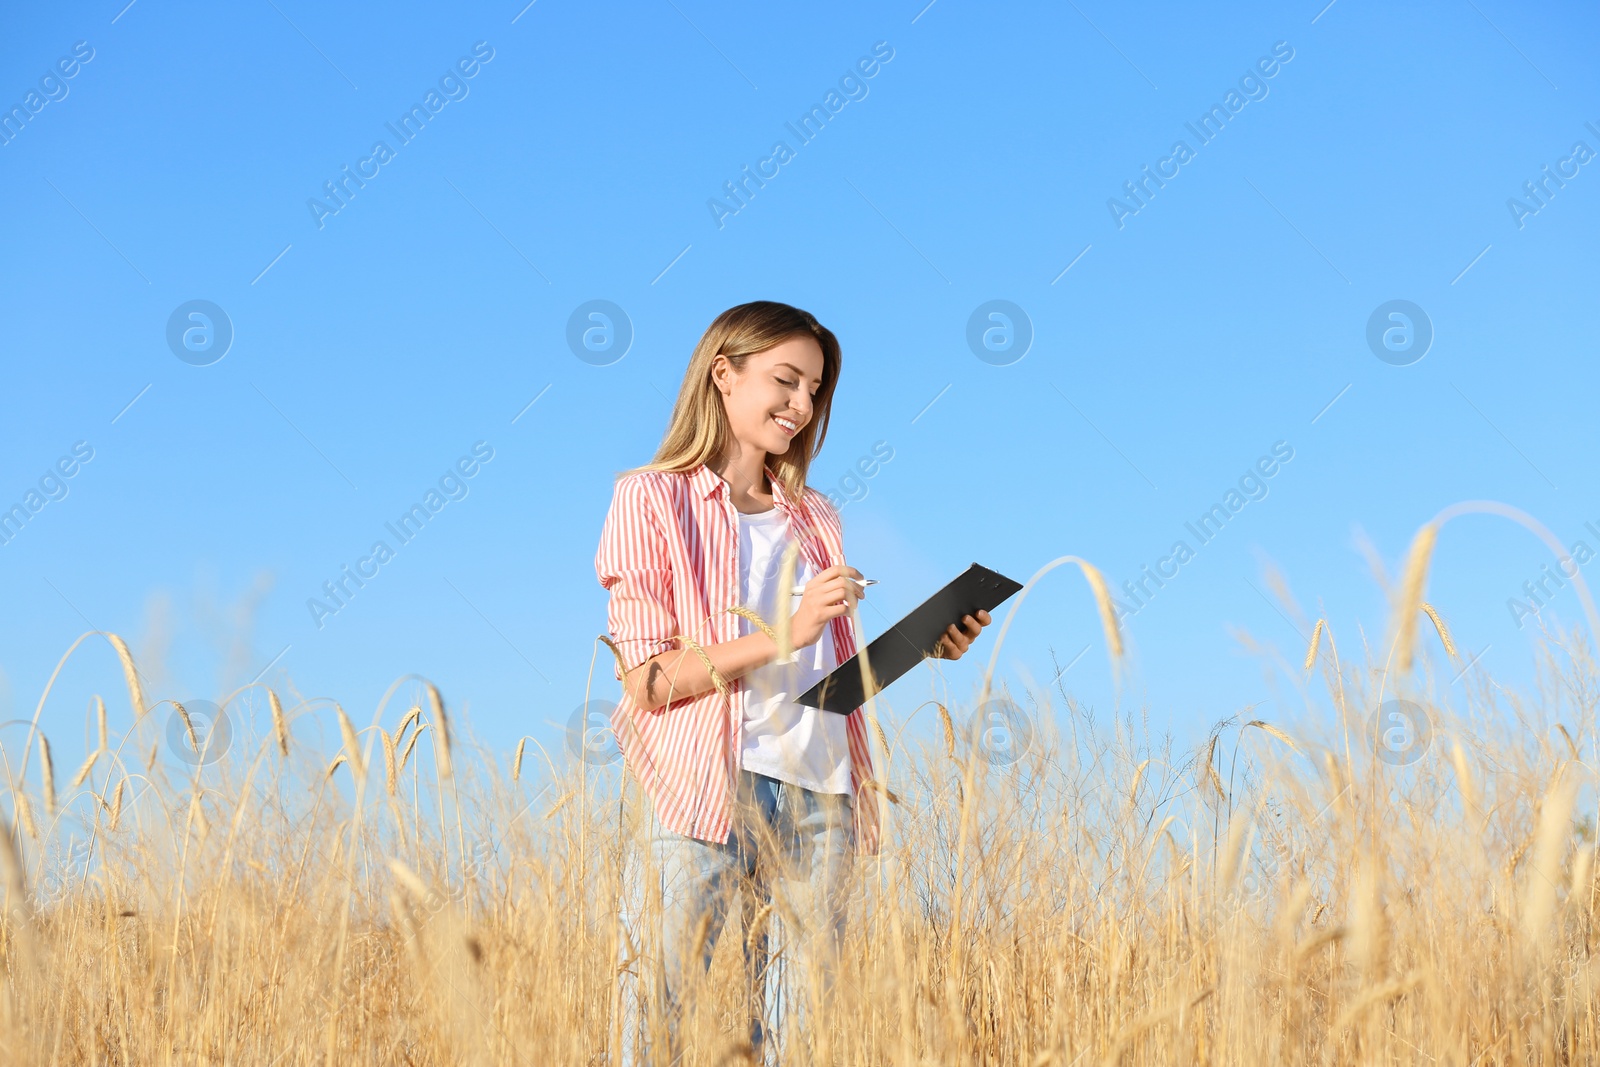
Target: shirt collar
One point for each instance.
(707, 481)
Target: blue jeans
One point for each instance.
(789, 848)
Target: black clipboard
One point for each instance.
(912, 639)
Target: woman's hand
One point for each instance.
(827, 596)
(953, 642)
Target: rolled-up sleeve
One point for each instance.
(634, 565)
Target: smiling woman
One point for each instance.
(749, 788)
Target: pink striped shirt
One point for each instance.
(669, 556)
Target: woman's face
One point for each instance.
(770, 402)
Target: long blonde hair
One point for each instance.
(699, 429)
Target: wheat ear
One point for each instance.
(1416, 577)
(129, 675)
(116, 804)
(25, 816)
(83, 772)
(436, 709)
(47, 774)
(388, 761)
(949, 729)
(352, 744)
(1316, 642)
(280, 726)
(1102, 599)
(1441, 629)
(616, 654)
(194, 738)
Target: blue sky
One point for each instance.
(375, 347)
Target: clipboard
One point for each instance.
(912, 639)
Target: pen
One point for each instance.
(863, 582)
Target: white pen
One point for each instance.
(863, 582)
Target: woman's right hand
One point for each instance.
(828, 595)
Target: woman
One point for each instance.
(750, 790)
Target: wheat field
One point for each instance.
(379, 889)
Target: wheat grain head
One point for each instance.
(1316, 640)
(47, 775)
(1441, 629)
(442, 735)
(352, 744)
(1108, 615)
(1410, 596)
(280, 726)
(130, 675)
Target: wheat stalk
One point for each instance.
(415, 886)
(1108, 615)
(197, 816)
(280, 727)
(1549, 853)
(352, 744)
(1268, 728)
(1390, 990)
(442, 735)
(755, 617)
(411, 744)
(1410, 599)
(411, 717)
(1316, 640)
(83, 772)
(15, 876)
(561, 803)
(25, 816)
(873, 785)
(1442, 630)
(758, 925)
(47, 774)
(716, 678)
(1572, 746)
(130, 675)
(116, 805)
(388, 761)
(616, 654)
(194, 739)
(1211, 768)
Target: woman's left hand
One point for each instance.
(953, 642)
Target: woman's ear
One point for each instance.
(721, 374)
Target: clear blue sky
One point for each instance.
(373, 346)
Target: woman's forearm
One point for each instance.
(678, 674)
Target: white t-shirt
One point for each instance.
(780, 738)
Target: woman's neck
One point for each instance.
(747, 480)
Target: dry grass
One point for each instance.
(1276, 896)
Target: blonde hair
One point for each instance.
(699, 429)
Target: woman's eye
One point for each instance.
(785, 381)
